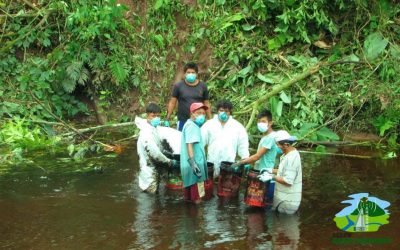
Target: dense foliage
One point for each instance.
(54, 51)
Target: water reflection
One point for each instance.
(145, 221)
(187, 234)
(101, 211)
(257, 233)
(223, 221)
(285, 233)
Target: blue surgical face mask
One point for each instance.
(199, 120)
(223, 116)
(262, 127)
(190, 77)
(155, 121)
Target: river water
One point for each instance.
(47, 204)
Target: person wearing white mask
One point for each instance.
(288, 176)
(225, 137)
(186, 92)
(152, 144)
(267, 150)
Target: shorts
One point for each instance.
(191, 193)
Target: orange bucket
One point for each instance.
(255, 190)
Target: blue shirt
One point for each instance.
(191, 134)
(267, 161)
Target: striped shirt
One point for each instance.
(288, 197)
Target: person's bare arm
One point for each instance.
(255, 157)
(207, 103)
(281, 180)
(190, 150)
(171, 107)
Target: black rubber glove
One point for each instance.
(174, 164)
(236, 167)
(195, 168)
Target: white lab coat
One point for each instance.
(150, 146)
(224, 142)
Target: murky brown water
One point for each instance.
(106, 210)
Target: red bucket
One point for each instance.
(174, 181)
(228, 181)
(255, 190)
(174, 184)
(209, 184)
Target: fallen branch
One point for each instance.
(31, 5)
(338, 154)
(334, 143)
(218, 72)
(278, 88)
(28, 14)
(326, 143)
(345, 62)
(322, 125)
(107, 147)
(135, 136)
(10, 44)
(85, 130)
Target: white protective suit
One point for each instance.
(151, 144)
(224, 142)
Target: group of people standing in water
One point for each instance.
(223, 138)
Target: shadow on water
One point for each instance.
(104, 209)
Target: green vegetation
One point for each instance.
(374, 222)
(368, 207)
(333, 64)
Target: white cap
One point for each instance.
(283, 135)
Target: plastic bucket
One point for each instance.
(228, 181)
(256, 190)
(174, 179)
(209, 184)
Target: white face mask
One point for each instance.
(262, 127)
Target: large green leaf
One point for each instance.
(286, 99)
(230, 20)
(279, 108)
(220, 2)
(68, 85)
(236, 17)
(382, 124)
(248, 27)
(326, 134)
(276, 107)
(159, 40)
(84, 76)
(395, 51)
(306, 128)
(245, 71)
(158, 4)
(119, 70)
(374, 45)
(385, 126)
(74, 70)
(264, 78)
(320, 148)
